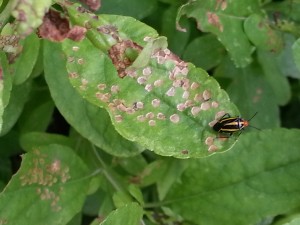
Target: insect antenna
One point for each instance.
(251, 119)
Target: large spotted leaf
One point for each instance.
(165, 104)
(49, 188)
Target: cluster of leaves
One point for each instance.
(133, 103)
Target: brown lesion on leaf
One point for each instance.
(118, 55)
(3, 221)
(221, 4)
(110, 30)
(11, 45)
(214, 20)
(46, 175)
(55, 27)
(9, 42)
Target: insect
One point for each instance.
(230, 125)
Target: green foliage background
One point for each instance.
(122, 163)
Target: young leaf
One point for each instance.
(50, 187)
(168, 106)
(258, 179)
(131, 214)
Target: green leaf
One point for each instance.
(151, 174)
(205, 51)
(257, 180)
(90, 121)
(153, 105)
(133, 165)
(26, 60)
(18, 97)
(32, 140)
(262, 35)
(129, 214)
(286, 59)
(50, 186)
(274, 76)
(224, 19)
(121, 199)
(136, 193)
(5, 86)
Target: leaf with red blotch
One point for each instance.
(57, 28)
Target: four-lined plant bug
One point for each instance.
(230, 125)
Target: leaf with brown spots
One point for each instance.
(51, 178)
(224, 19)
(163, 103)
(57, 28)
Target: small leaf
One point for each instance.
(262, 35)
(259, 178)
(121, 199)
(50, 186)
(131, 214)
(136, 193)
(224, 19)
